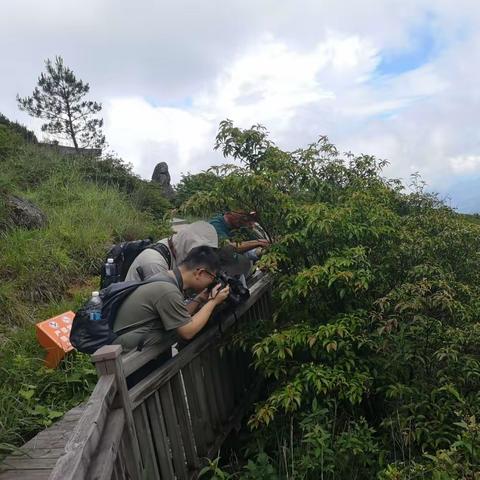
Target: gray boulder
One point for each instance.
(161, 176)
(23, 213)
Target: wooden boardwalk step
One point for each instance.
(35, 460)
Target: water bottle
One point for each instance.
(95, 307)
(110, 271)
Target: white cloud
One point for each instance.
(301, 68)
(268, 83)
(146, 135)
(465, 164)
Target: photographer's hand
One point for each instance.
(218, 295)
(199, 320)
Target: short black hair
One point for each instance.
(202, 257)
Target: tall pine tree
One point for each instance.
(59, 99)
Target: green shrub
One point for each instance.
(190, 184)
(10, 141)
(83, 220)
(26, 134)
(148, 197)
(372, 359)
(43, 272)
(33, 396)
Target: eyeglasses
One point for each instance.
(214, 277)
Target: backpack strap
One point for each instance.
(164, 251)
(152, 279)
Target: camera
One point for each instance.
(239, 292)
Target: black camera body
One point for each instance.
(239, 293)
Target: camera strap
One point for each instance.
(178, 277)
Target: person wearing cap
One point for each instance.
(153, 261)
(175, 248)
(231, 223)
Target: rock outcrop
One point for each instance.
(161, 177)
(23, 213)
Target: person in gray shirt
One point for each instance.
(150, 261)
(156, 311)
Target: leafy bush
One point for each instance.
(26, 134)
(190, 184)
(148, 197)
(372, 359)
(10, 141)
(83, 220)
(89, 205)
(33, 396)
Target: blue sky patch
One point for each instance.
(182, 103)
(463, 193)
(423, 48)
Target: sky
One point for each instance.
(398, 79)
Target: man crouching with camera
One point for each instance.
(157, 310)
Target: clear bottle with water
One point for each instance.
(110, 271)
(95, 307)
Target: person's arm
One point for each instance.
(197, 302)
(199, 320)
(241, 247)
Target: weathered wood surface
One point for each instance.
(108, 362)
(48, 444)
(162, 428)
(204, 340)
(85, 439)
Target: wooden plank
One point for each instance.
(208, 336)
(225, 371)
(108, 361)
(107, 454)
(213, 407)
(184, 422)
(22, 463)
(235, 419)
(240, 374)
(86, 435)
(145, 440)
(120, 464)
(173, 432)
(214, 368)
(115, 472)
(160, 438)
(22, 452)
(198, 417)
(196, 370)
(235, 375)
(29, 475)
(125, 453)
(135, 359)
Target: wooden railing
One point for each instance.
(166, 425)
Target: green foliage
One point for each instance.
(10, 141)
(148, 197)
(259, 468)
(372, 358)
(89, 204)
(32, 396)
(26, 134)
(83, 219)
(190, 184)
(58, 99)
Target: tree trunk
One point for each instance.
(70, 125)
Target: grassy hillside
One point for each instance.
(89, 203)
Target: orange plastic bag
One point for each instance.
(53, 335)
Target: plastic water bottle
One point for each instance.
(95, 307)
(110, 271)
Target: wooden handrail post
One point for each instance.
(107, 361)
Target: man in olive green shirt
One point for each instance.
(156, 311)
